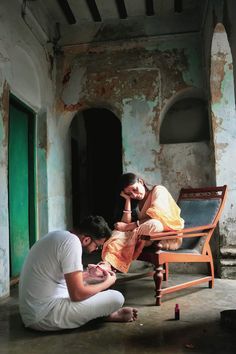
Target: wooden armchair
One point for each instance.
(201, 209)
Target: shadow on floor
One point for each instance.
(198, 331)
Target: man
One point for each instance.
(53, 293)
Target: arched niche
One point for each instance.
(185, 119)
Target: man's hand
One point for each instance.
(109, 277)
(80, 287)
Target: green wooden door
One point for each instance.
(21, 189)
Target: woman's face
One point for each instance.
(136, 190)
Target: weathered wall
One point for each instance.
(220, 53)
(224, 131)
(228, 19)
(24, 71)
(138, 80)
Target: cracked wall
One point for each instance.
(24, 72)
(224, 133)
(137, 80)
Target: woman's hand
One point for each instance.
(124, 195)
(127, 212)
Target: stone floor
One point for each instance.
(199, 329)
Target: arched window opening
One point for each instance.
(186, 121)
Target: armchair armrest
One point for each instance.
(197, 231)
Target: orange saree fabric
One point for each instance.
(123, 247)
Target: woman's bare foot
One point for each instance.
(122, 226)
(99, 270)
(97, 273)
(124, 314)
(105, 265)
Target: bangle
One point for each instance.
(127, 211)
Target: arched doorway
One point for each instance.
(96, 150)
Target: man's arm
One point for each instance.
(78, 290)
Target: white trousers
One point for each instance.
(72, 314)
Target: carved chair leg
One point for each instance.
(166, 272)
(211, 268)
(158, 276)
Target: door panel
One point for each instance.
(19, 185)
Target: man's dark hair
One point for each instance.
(95, 226)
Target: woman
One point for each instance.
(156, 212)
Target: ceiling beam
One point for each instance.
(149, 8)
(94, 10)
(120, 4)
(65, 7)
(178, 5)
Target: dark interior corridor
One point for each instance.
(96, 163)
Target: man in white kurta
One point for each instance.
(52, 292)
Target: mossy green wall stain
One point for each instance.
(188, 58)
(227, 87)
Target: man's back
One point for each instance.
(42, 277)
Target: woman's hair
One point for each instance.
(127, 179)
(95, 226)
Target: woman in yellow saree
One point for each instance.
(156, 212)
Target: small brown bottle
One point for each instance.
(177, 312)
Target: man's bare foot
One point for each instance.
(124, 314)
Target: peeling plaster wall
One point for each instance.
(228, 20)
(220, 58)
(4, 242)
(137, 80)
(59, 169)
(24, 71)
(224, 132)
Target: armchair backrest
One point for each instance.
(200, 207)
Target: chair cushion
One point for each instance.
(197, 212)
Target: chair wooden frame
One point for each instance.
(161, 258)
